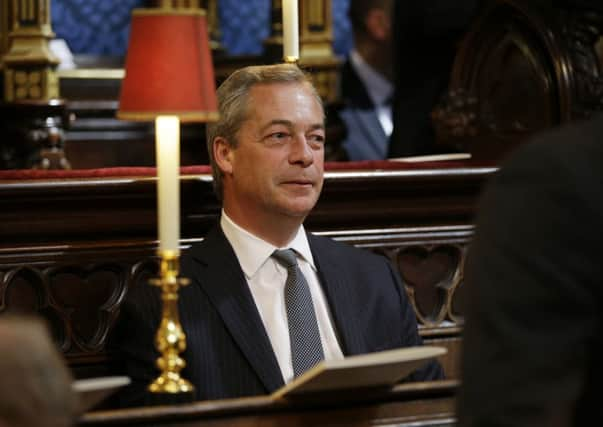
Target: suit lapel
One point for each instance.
(338, 286)
(224, 282)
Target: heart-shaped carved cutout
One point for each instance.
(429, 272)
(89, 297)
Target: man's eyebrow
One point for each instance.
(283, 122)
(289, 124)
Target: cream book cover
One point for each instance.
(433, 158)
(382, 368)
(92, 391)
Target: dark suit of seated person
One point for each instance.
(533, 338)
(241, 312)
(366, 81)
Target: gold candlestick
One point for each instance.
(170, 340)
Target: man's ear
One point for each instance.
(223, 154)
(378, 24)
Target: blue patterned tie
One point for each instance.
(306, 348)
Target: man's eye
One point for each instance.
(317, 139)
(278, 135)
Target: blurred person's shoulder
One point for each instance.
(575, 149)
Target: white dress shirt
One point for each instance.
(266, 279)
(379, 89)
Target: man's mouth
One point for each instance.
(301, 181)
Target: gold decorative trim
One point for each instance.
(168, 11)
(5, 28)
(184, 116)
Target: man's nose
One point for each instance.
(301, 152)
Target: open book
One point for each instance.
(92, 391)
(384, 368)
(433, 157)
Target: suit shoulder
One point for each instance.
(214, 241)
(561, 163)
(569, 145)
(345, 251)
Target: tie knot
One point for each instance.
(285, 257)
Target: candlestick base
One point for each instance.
(165, 384)
(170, 340)
(291, 59)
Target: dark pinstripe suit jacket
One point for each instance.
(229, 353)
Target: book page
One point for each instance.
(383, 368)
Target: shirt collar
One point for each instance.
(378, 87)
(252, 252)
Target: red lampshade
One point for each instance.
(169, 69)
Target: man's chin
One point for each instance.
(298, 210)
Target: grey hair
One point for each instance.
(233, 100)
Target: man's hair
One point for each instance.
(234, 108)
(359, 9)
(36, 384)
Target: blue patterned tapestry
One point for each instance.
(93, 27)
(342, 28)
(101, 27)
(244, 25)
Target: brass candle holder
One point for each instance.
(170, 340)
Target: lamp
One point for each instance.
(168, 78)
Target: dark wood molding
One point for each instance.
(416, 405)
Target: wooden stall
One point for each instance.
(73, 242)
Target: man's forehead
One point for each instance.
(274, 90)
(275, 87)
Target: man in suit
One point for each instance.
(240, 315)
(532, 340)
(366, 81)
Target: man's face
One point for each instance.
(277, 166)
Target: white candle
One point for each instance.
(167, 145)
(290, 31)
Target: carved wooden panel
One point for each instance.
(524, 66)
(80, 301)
